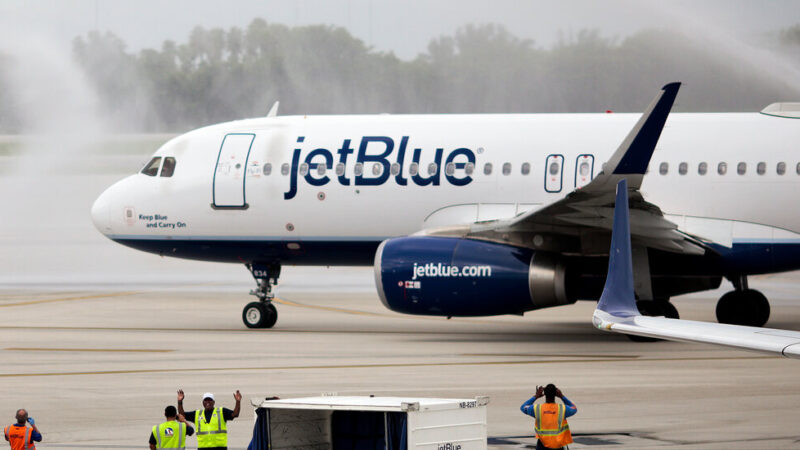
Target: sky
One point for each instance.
(404, 27)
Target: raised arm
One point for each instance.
(238, 397)
(571, 409)
(36, 435)
(180, 403)
(527, 407)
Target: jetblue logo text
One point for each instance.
(448, 446)
(445, 270)
(373, 162)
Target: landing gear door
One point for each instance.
(554, 173)
(231, 171)
(584, 170)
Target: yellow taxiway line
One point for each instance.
(382, 366)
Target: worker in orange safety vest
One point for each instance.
(552, 429)
(19, 435)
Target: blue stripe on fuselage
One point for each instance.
(307, 251)
(742, 258)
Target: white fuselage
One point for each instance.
(212, 181)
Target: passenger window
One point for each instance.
(781, 168)
(303, 169)
(358, 170)
(340, 169)
(506, 168)
(395, 168)
(151, 169)
(432, 167)
(798, 169)
(583, 170)
(321, 169)
(377, 168)
(683, 168)
(469, 168)
(487, 168)
(722, 168)
(450, 168)
(761, 168)
(741, 168)
(702, 168)
(526, 168)
(285, 169)
(267, 169)
(413, 169)
(554, 168)
(169, 167)
(663, 168)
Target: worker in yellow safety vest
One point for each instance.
(211, 422)
(19, 435)
(552, 429)
(172, 433)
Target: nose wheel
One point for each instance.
(262, 314)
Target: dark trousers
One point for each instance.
(540, 446)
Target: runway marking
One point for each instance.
(116, 350)
(264, 330)
(373, 314)
(67, 299)
(328, 308)
(96, 296)
(382, 366)
(550, 355)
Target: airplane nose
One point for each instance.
(101, 213)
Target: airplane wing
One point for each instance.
(592, 206)
(616, 311)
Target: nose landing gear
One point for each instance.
(262, 314)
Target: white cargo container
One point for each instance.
(391, 423)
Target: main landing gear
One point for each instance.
(262, 314)
(743, 306)
(659, 307)
(654, 308)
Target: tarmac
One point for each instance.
(96, 367)
(96, 338)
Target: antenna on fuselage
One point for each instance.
(273, 112)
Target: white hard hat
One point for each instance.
(208, 395)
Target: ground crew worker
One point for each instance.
(552, 429)
(211, 422)
(172, 433)
(19, 435)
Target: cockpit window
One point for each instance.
(169, 167)
(151, 169)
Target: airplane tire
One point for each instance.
(670, 311)
(762, 306)
(255, 315)
(650, 308)
(749, 308)
(271, 316)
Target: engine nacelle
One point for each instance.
(442, 276)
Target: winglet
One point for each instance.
(633, 155)
(618, 298)
(273, 112)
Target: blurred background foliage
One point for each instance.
(219, 75)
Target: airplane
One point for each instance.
(616, 311)
(482, 214)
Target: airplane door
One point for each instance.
(231, 171)
(584, 170)
(554, 173)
